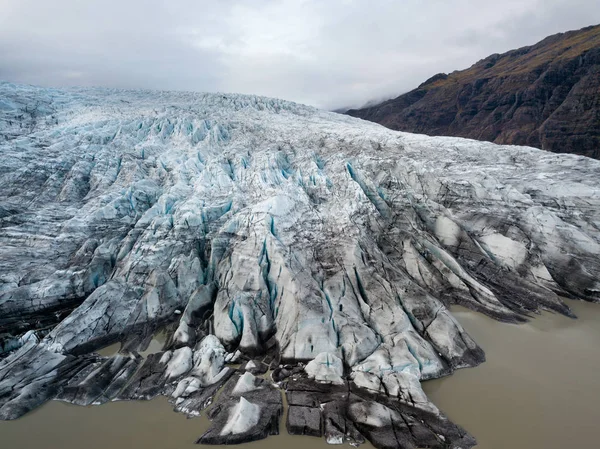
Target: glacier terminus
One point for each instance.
(290, 255)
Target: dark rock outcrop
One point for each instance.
(546, 96)
(249, 408)
(346, 413)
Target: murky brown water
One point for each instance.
(124, 425)
(155, 345)
(539, 389)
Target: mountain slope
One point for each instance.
(257, 230)
(546, 96)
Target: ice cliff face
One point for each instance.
(262, 231)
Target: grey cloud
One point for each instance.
(330, 54)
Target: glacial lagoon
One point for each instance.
(538, 389)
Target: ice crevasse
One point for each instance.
(260, 232)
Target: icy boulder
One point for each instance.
(245, 384)
(209, 359)
(243, 417)
(257, 234)
(326, 368)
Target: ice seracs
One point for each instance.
(261, 234)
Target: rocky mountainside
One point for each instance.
(281, 249)
(546, 96)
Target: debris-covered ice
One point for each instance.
(254, 229)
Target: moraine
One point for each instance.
(261, 235)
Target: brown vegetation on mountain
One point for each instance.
(546, 95)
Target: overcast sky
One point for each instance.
(328, 53)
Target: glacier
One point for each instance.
(283, 250)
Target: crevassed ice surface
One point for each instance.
(289, 234)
